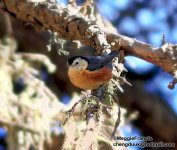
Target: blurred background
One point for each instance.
(149, 96)
(147, 21)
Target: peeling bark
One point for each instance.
(70, 24)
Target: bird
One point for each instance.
(90, 72)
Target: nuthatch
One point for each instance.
(90, 72)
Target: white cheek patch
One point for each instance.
(82, 64)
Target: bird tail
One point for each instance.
(108, 58)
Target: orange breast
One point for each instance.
(89, 79)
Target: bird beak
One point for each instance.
(67, 65)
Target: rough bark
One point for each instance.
(70, 24)
(73, 25)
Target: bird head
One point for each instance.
(78, 63)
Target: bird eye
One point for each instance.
(77, 63)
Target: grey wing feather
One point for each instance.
(98, 62)
(94, 63)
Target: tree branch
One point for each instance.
(71, 24)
